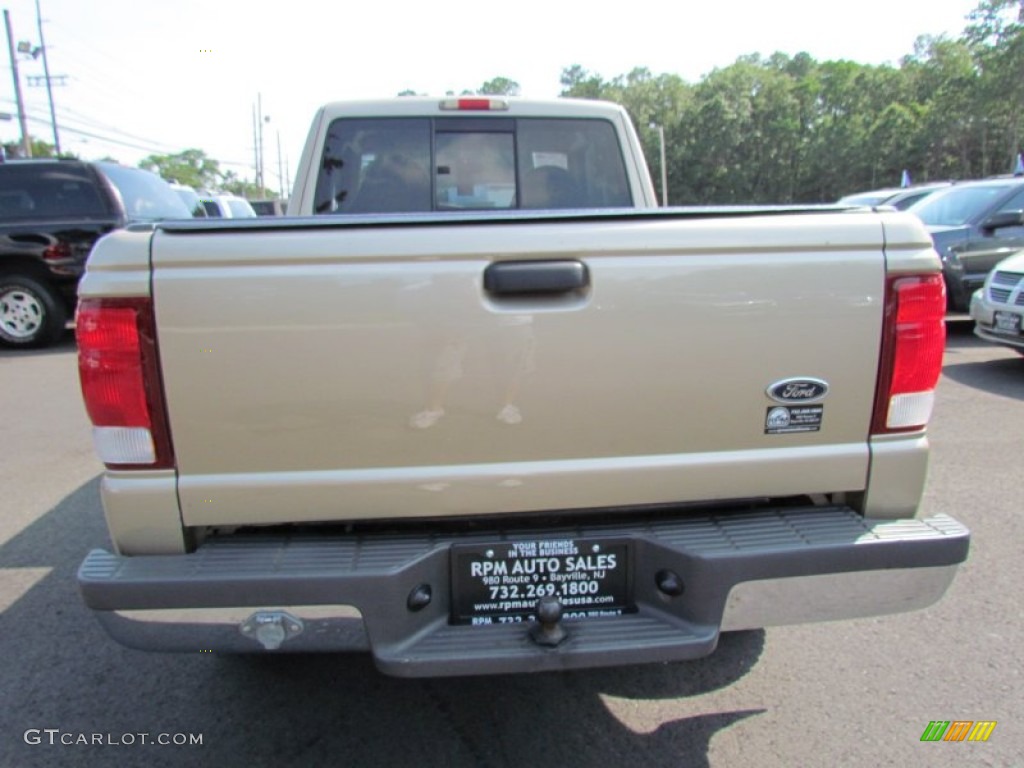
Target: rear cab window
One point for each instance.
(420, 164)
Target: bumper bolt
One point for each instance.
(669, 583)
(419, 598)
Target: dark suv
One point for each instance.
(51, 213)
(974, 226)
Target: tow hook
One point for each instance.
(548, 630)
(271, 628)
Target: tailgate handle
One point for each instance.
(532, 277)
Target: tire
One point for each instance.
(31, 314)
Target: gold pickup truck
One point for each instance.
(478, 406)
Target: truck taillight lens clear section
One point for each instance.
(118, 367)
(914, 339)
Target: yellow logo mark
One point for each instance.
(982, 730)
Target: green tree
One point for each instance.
(996, 38)
(191, 167)
(234, 185)
(579, 83)
(945, 83)
(40, 148)
(652, 101)
(499, 86)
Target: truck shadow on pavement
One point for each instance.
(1004, 377)
(1002, 374)
(62, 672)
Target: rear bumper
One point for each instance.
(1013, 342)
(334, 593)
(983, 314)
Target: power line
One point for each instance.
(92, 135)
(103, 126)
(101, 74)
(95, 64)
(167, 148)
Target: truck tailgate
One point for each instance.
(358, 371)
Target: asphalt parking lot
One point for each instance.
(848, 693)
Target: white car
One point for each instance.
(191, 198)
(228, 207)
(997, 308)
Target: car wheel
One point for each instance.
(31, 315)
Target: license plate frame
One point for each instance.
(1008, 323)
(500, 582)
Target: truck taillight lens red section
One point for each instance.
(119, 371)
(913, 341)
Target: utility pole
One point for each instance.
(26, 144)
(255, 145)
(287, 177)
(259, 143)
(280, 175)
(49, 87)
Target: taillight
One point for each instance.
(120, 376)
(913, 341)
(57, 252)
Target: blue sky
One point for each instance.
(145, 76)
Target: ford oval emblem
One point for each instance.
(798, 390)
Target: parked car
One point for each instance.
(998, 307)
(191, 198)
(899, 198)
(974, 226)
(228, 207)
(269, 207)
(51, 214)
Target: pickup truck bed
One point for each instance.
(645, 386)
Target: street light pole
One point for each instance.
(664, 169)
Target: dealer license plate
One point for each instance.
(502, 582)
(1007, 322)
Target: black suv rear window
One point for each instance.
(396, 165)
(48, 191)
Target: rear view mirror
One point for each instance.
(1003, 219)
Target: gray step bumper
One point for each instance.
(739, 570)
